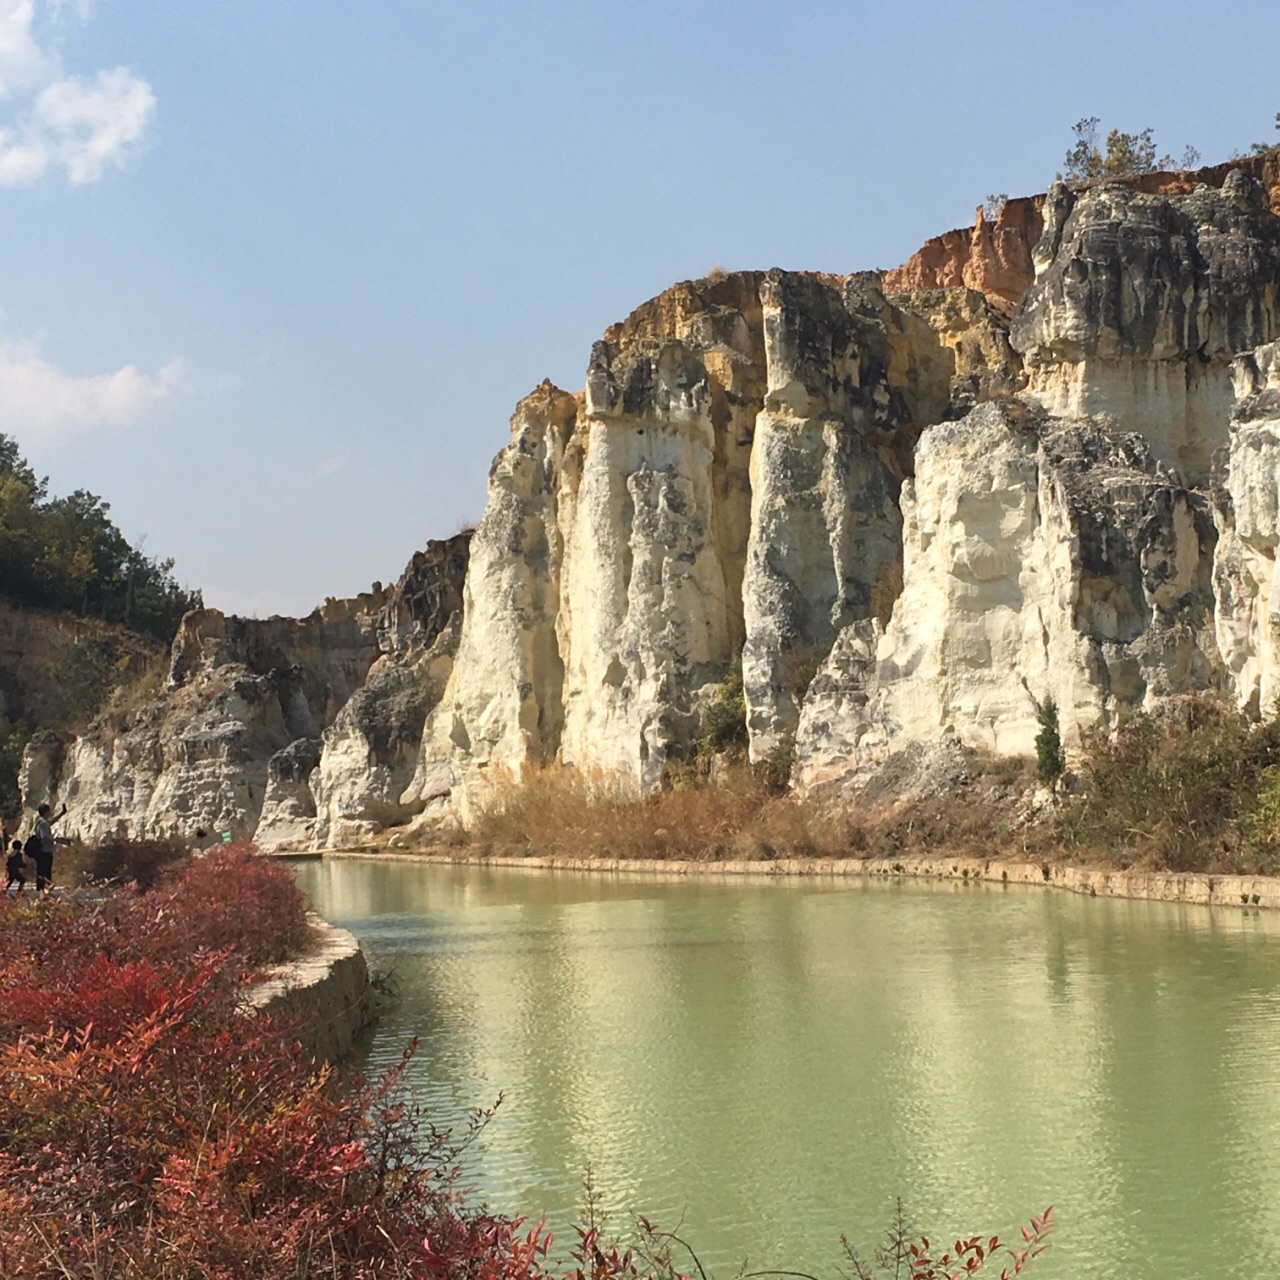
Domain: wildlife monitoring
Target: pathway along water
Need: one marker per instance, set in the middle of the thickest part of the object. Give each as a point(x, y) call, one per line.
point(773, 1062)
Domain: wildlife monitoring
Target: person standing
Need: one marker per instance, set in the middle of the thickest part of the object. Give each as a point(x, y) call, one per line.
point(43, 831)
point(13, 865)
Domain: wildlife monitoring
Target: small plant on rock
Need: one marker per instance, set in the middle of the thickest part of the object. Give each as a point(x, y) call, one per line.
point(1050, 762)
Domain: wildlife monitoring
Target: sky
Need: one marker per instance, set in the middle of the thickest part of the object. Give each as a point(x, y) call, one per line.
point(273, 275)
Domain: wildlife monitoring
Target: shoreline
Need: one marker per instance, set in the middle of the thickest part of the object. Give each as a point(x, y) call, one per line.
point(1196, 888)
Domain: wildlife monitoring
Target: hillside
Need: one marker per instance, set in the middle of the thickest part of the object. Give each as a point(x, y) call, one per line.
point(82, 612)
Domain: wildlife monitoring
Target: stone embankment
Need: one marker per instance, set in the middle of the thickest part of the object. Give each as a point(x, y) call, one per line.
point(327, 990)
point(1194, 888)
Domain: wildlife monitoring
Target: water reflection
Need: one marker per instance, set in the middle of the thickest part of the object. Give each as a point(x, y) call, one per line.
point(778, 1060)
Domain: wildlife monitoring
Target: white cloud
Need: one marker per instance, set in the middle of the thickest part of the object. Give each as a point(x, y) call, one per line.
point(92, 128)
point(79, 8)
point(38, 396)
point(24, 65)
point(84, 127)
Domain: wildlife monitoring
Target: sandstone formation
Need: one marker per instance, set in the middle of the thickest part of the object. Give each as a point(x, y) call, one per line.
point(1141, 305)
point(725, 490)
point(993, 256)
point(1042, 559)
point(996, 256)
point(1039, 461)
point(259, 719)
point(1248, 607)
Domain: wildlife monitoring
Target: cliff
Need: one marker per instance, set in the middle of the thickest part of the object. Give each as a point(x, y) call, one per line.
point(1039, 460)
point(261, 725)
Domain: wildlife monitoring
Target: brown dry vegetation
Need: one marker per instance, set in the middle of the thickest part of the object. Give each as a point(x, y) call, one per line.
point(562, 813)
point(128, 700)
point(1196, 790)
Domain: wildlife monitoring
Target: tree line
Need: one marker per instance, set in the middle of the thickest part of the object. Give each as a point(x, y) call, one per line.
point(66, 553)
point(1121, 153)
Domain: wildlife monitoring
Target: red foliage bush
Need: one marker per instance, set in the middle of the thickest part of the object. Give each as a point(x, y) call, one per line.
point(153, 1129)
point(232, 898)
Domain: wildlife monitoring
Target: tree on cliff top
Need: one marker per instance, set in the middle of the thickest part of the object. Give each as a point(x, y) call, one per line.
point(1125, 153)
point(66, 553)
point(1259, 147)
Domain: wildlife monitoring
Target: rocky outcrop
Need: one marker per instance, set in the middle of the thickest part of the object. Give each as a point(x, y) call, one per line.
point(997, 255)
point(825, 543)
point(1248, 606)
point(1042, 559)
point(916, 569)
point(993, 256)
point(1141, 305)
point(1038, 461)
point(259, 720)
point(726, 485)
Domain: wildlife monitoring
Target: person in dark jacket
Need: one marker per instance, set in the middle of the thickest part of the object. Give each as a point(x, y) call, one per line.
point(13, 865)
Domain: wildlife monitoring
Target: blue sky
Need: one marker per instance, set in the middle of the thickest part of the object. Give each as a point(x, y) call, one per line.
point(275, 273)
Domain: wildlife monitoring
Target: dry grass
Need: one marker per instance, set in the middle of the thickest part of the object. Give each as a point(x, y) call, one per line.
point(128, 700)
point(573, 814)
point(1195, 790)
point(565, 813)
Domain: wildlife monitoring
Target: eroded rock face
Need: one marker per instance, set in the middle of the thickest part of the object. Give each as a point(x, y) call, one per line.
point(1042, 558)
point(725, 487)
point(240, 738)
point(999, 257)
point(605, 583)
point(911, 518)
point(370, 751)
point(994, 256)
point(1142, 305)
point(825, 545)
point(1248, 607)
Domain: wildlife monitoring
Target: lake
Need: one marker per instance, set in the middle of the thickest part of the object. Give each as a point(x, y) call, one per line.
point(770, 1063)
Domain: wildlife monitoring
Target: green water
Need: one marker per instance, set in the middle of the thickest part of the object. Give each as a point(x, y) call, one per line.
point(773, 1062)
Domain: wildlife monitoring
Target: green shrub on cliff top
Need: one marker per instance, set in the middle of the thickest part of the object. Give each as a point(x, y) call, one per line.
point(1125, 153)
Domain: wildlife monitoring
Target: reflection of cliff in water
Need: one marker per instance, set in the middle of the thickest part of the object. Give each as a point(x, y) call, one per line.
point(777, 1060)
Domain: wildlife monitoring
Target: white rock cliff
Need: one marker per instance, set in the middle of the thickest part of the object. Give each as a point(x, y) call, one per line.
point(910, 515)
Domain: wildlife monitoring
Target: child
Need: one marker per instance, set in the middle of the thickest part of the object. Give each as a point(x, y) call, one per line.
point(13, 864)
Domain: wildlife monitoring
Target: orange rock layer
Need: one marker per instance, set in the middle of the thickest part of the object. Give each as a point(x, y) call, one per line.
point(995, 257)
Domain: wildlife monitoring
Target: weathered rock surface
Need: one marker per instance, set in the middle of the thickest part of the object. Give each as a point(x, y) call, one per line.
point(1248, 606)
point(993, 256)
point(260, 719)
point(725, 487)
point(997, 257)
point(1141, 305)
point(1039, 460)
point(1042, 558)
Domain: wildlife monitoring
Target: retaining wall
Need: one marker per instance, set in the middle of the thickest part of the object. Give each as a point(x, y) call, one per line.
point(328, 990)
point(1100, 882)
